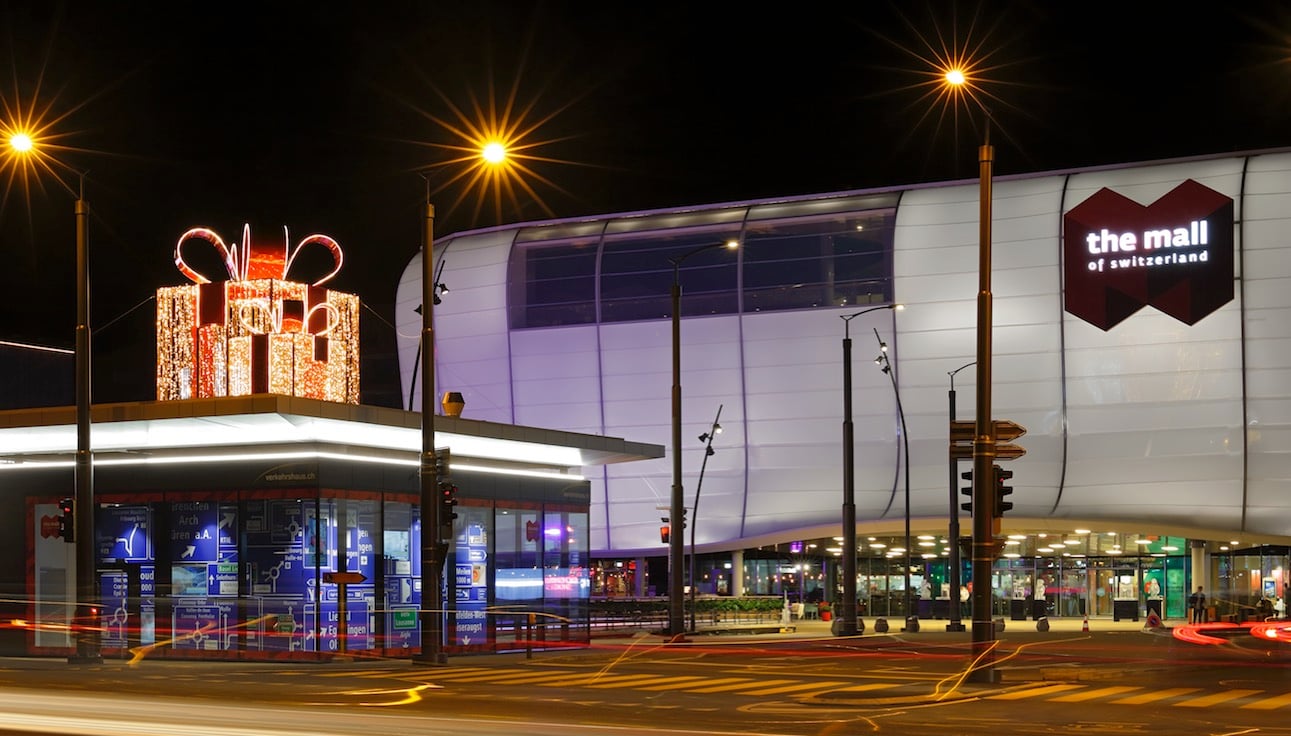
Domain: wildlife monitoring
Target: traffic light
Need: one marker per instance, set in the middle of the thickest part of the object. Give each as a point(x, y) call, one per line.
point(447, 500)
point(67, 520)
point(665, 531)
point(442, 473)
point(967, 491)
point(1002, 477)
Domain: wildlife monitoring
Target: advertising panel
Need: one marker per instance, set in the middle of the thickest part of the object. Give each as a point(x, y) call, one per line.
point(1175, 254)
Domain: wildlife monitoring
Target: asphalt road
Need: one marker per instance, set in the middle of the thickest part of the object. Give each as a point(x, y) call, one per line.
point(1113, 682)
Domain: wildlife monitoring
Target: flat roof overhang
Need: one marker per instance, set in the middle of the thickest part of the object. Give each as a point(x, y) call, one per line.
point(228, 428)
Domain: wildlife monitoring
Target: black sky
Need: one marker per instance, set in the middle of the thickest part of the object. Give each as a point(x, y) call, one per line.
point(308, 115)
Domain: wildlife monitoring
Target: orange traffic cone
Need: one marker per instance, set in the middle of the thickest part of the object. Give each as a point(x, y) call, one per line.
point(1085, 626)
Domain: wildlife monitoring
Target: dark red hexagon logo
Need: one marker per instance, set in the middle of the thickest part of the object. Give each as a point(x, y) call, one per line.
point(1175, 254)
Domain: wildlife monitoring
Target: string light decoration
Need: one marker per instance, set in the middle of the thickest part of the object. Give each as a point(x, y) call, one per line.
point(257, 331)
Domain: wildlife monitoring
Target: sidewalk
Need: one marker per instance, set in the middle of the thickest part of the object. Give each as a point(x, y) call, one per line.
point(814, 628)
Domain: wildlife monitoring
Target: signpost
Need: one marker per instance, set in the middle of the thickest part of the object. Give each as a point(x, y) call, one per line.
point(961, 439)
point(342, 579)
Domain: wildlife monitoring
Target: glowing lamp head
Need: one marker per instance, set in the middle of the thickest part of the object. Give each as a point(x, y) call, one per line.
point(494, 153)
point(955, 77)
point(21, 142)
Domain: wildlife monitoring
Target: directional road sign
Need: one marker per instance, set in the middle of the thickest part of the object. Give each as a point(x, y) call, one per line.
point(962, 434)
point(1005, 430)
point(1004, 451)
point(349, 577)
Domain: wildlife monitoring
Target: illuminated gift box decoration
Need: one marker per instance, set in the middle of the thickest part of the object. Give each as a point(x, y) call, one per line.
point(257, 332)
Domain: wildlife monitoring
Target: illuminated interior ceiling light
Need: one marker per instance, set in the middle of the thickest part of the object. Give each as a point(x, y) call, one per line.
point(926, 536)
point(1082, 531)
point(1011, 555)
point(1057, 544)
point(1012, 542)
point(1045, 550)
point(928, 555)
point(877, 545)
point(1113, 551)
point(928, 543)
point(1169, 548)
point(1142, 541)
point(1017, 536)
point(1073, 542)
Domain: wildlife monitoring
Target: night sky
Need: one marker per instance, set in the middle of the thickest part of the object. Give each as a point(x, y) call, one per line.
point(319, 116)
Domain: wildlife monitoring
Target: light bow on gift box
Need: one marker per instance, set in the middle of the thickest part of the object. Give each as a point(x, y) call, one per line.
point(256, 331)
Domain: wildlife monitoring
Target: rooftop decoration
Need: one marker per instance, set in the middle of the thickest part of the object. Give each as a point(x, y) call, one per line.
point(255, 331)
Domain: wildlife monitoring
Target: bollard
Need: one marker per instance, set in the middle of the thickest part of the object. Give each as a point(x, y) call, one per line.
point(1042, 623)
point(528, 636)
point(881, 625)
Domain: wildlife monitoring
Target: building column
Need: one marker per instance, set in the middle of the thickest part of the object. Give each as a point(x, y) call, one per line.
point(1200, 575)
point(737, 573)
point(639, 580)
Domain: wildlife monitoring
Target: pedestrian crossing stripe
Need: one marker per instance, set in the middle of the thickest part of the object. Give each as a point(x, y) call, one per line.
point(1216, 698)
point(1034, 692)
point(1278, 701)
point(1154, 695)
point(1093, 693)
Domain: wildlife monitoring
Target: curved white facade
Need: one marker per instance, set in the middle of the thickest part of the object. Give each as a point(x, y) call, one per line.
point(1154, 426)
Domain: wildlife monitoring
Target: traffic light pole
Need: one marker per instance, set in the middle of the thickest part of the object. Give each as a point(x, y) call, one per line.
point(433, 550)
point(983, 635)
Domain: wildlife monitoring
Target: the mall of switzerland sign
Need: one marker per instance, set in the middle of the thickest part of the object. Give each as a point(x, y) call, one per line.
point(1175, 254)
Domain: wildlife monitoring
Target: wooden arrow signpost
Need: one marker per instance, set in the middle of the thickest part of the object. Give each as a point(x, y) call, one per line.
point(342, 579)
point(962, 434)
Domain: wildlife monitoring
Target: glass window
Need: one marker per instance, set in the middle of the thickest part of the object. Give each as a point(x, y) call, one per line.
point(553, 283)
point(637, 274)
point(833, 260)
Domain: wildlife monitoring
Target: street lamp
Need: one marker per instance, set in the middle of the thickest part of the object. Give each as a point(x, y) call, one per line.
point(87, 639)
point(953, 531)
point(911, 617)
point(983, 636)
point(707, 439)
point(845, 622)
point(677, 508)
point(434, 549)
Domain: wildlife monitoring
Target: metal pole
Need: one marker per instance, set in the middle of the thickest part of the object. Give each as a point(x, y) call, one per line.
point(694, 509)
point(676, 513)
point(433, 549)
point(956, 623)
point(846, 608)
point(87, 634)
point(984, 442)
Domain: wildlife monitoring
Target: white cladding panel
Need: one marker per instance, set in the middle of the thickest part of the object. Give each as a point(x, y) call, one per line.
point(1140, 425)
point(1154, 406)
point(1266, 289)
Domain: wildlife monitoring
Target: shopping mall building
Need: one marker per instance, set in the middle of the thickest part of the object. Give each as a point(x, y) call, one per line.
point(1141, 335)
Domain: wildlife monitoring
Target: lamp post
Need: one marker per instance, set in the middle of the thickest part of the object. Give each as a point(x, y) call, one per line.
point(983, 636)
point(707, 439)
point(433, 549)
point(677, 508)
point(86, 634)
point(845, 619)
point(911, 617)
point(956, 624)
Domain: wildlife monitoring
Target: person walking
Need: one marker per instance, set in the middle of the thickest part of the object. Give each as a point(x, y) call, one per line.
point(1197, 603)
